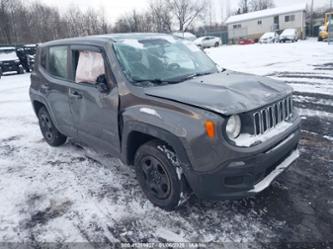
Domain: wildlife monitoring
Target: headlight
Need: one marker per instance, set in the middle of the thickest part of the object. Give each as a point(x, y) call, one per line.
point(233, 127)
point(17, 61)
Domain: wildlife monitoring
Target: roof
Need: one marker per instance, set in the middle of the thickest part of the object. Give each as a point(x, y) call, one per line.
point(103, 38)
point(7, 48)
point(184, 34)
point(266, 13)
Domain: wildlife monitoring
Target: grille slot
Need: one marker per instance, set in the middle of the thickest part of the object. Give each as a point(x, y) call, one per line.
point(267, 118)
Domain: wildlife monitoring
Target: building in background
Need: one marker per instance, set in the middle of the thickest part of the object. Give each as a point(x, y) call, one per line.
point(254, 24)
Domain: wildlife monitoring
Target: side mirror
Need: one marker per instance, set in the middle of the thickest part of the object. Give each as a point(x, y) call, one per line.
point(101, 84)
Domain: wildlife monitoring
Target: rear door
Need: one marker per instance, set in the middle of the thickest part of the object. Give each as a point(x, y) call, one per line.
point(55, 85)
point(95, 114)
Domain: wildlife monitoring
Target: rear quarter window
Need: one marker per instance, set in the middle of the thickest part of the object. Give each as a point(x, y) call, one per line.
point(43, 57)
point(57, 61)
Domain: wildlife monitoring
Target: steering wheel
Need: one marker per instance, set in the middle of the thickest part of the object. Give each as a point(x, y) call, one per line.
point(173, 66)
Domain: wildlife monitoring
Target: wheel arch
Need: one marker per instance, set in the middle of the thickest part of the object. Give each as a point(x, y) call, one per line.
point(137, 134)
point(37, 105)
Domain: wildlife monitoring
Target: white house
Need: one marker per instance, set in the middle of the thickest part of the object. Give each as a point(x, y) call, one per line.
point(252, 25)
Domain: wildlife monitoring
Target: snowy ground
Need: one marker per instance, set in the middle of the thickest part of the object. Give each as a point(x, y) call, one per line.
point(72, 194)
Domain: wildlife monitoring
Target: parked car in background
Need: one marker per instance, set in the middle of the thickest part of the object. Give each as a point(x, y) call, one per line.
point(269, 37)
point(26, 55)
point(9, 61)
point(208, 42)
point(246, 41)
point(289, 35)
point(162, 105)
point(185, 35)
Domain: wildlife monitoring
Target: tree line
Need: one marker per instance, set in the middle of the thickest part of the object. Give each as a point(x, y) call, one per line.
point(37, 22)
point(246, 6)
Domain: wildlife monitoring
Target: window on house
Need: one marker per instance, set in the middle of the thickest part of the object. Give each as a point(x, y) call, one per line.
point(237, 26)
point(259, 22)
point(290, 18)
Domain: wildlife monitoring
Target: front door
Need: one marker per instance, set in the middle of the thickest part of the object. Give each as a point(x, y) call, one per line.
point(95, 114)
point(276, 23)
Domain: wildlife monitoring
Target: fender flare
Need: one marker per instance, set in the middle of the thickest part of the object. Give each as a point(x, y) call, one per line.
point(37, 98)
point(158, 133)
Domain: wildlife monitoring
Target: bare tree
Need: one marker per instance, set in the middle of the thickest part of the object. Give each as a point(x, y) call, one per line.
point(161, 15)
point(243, 7)
point(134, 22)
point(187, 11)
point(256, 5)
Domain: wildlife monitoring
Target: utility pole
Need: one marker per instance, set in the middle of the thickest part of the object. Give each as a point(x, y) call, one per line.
point(227, 8)
point(311, 20)
point(330, 25)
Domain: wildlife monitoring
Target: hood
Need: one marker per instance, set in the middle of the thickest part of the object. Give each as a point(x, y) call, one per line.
point(226, 93)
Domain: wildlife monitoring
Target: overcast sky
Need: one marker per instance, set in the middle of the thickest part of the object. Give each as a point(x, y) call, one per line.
point(116, 8)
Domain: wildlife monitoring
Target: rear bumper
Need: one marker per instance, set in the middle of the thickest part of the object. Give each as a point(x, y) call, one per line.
point(246, 176)
point(9, 67)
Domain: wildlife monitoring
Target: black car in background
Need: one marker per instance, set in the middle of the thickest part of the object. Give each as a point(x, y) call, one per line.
point(9, 61)
point(26, 55)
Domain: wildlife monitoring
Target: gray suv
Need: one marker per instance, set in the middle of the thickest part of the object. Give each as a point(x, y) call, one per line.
point(160, 104)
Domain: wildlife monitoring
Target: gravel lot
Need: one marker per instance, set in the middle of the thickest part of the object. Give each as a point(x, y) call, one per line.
point(73, 194)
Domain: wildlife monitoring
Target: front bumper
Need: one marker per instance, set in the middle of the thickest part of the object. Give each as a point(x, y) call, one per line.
point(248, 176)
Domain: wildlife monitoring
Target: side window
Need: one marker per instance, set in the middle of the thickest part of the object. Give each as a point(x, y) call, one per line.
point(43, 57)
point(58, 61)
point(88, 66)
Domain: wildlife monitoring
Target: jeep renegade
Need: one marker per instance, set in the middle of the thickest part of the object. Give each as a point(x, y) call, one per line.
point(161, 104)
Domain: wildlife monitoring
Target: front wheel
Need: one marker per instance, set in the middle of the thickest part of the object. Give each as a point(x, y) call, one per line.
point(160, 175)
point(20, 70)
point(50, 133)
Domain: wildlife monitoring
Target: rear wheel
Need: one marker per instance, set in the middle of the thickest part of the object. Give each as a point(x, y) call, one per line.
point(217, 44)
point(50, 133)
point(160, 176)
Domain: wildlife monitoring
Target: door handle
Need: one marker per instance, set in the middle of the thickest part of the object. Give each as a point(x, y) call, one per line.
point(75, 94)
point(45, 88)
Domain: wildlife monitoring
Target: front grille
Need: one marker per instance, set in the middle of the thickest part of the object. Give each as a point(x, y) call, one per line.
point(268, 117)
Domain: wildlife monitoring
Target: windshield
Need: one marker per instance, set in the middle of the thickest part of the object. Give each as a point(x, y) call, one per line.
point(289, 32)
point(162, 60)
point(30, 50)
point(7, 55)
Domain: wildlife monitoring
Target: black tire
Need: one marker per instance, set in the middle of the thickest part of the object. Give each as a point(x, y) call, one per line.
point(320, 39)
point(20, 70)
point(50, 133)
point(217, 44)
point(158, 171)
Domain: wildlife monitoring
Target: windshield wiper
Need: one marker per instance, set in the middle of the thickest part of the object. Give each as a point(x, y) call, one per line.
point(154, 81)
point(191, 76)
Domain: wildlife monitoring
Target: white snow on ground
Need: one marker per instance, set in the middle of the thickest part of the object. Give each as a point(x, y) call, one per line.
point(265, 59)
point(72, 194)
point(270, 59)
